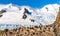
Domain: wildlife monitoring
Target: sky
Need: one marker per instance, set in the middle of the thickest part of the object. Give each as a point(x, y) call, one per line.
point(32, 3)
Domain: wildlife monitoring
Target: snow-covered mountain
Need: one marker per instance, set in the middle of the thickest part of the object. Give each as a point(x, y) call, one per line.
point(27, 16)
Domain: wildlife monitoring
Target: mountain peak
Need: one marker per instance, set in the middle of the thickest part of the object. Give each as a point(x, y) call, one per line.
point(28, 16)
point(10, 5)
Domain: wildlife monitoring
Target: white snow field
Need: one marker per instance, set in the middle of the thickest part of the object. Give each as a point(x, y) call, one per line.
point(13, 15)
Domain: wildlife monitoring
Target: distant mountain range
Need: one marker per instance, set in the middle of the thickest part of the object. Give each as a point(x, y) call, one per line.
point(27, 16)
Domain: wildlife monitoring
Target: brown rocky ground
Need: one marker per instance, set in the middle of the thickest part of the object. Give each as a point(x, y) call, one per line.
point(50, 30)
point(47, 30)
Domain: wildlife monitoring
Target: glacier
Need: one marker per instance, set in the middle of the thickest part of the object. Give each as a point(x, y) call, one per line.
point(41, 16)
